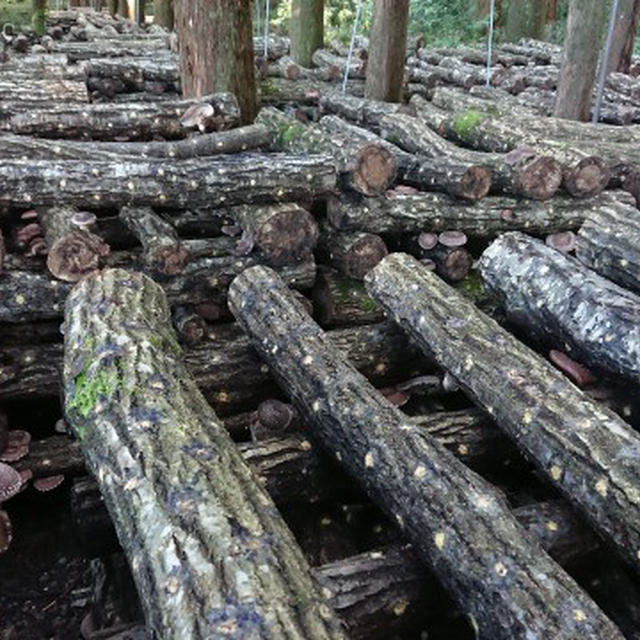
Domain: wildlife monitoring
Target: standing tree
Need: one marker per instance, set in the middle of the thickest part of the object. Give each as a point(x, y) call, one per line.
point(39, 16)
point(112, 7)
point(529, 19)
point(140, 11)
point(387, 50)
point(306, 28)
point(123, 8)
point(580, 59)
point(216, 50)
point(624, 36)
point(163, 13)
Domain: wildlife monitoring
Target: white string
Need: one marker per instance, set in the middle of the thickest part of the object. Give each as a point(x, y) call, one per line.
point(266, 30)
point(490, 45)
point(353, 39)
point(604, 63)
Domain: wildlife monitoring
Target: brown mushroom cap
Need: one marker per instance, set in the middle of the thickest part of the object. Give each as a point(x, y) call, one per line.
point(453, 239)
point(83, 219)
point(48, 484)
point(17, 446)
point(275, 415)
point(564, 241)
point(10, 482)
point(577, 372)
point(196, 114)
point(427, 240)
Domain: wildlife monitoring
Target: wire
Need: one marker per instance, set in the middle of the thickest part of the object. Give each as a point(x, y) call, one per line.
point(266, 30)
point(490, 44)
point(356, 23)
point(604, 63)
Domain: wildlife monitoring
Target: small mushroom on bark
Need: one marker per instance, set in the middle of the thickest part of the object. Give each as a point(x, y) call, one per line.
point(84, 220)
point(10, 482)
point(577, 372)
point(564, 241)
point(452, 239)
point(76, 255)
point(427, 240)
point(44, 485)
point(273, 418)
point(197, 116)
point(17, 446)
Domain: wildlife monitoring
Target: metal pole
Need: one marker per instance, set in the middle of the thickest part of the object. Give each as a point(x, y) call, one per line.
point(490, 45)
point(266, 31)
point(604, 63)
point(356, 23)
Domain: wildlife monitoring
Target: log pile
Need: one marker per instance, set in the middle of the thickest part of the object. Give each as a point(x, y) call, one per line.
point(203, 252)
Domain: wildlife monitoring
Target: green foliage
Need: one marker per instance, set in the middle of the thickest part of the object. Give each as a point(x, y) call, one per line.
point(467, 122)
point(446, 22)
point(17, 12)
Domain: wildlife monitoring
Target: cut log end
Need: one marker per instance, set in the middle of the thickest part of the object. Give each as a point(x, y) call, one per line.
point(288, 236)
point(474, 184)
point(365, 254)
point(540, 177)
point(588, 178)
point(75, 255)
point(457, 265)
point(169, 260)
point(375, 170)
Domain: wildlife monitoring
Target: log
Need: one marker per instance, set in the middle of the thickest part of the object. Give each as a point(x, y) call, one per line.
point(483, 219)
point(324, 58)
point(447, 511)
point(608, 243)
point(339, 301)
point(550, 420)
point(225, 367)
point(366, 168)
point(284, 233)
point(78, 51)
point(44, 90)
point(353, 254)
point(135, 70)
point(73, 250)
point(107, 121)
point(360, 110)
point(537, 177)
point(593, 319)
point(162, 251)
point(165, 544)
point(234, 179)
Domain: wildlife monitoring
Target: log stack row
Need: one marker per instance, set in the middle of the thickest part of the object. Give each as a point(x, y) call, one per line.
point(299, 211)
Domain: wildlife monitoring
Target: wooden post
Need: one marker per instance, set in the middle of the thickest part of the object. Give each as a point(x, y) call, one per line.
point(580, 59)
point(306, 28)
point(624, 36)
point(216, 50)
point(163, 13)
point(385, 71)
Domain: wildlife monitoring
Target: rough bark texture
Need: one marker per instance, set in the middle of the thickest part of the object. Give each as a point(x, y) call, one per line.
point(195, 569)
point(580, 59)
point(624, 36)
point(163, 13)
point(563, 302)
point(609, 243)
point(236, 179)
point(216, 50)
point(484, 219)
point(385, 68)
point(559, 428)
point(340, 301)
point(44, 90)
point(162, 251)
point(306, 27)
point(134, 121)
point(359, 110)
point(225, 367)
point(447, 511)
point(283, 232)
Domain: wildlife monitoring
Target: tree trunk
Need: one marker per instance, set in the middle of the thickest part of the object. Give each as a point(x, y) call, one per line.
point(163, 13)
point(580, 59)
point(216, 50)
point(483, 219)
point(565, 304)
point(527, 19)
point(140, 16)
point(306, 27)
point(112, 7)
point(123, 8)
point(245, 179)
point(609, 243)
point(624, 36)
point(446, 510)
point(555, 424)
point(197, 573)
point(385, 69)
point(38, 16)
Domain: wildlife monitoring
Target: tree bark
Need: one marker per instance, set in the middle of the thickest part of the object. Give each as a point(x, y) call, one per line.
point(527, 19)
point(483, 219)
point(44, 91)
point(216, 50)
point(306, 27)
point(624, 36)
point(243, 179)
point(385, 69)
point(609, 243)
point(163, 13)
point(446, 511)
point(38, 16)
point(580, 59)
point(593, 318)
point(173, 454)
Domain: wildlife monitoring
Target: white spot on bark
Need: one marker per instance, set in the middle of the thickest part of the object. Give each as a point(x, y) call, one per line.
point(439, 539)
